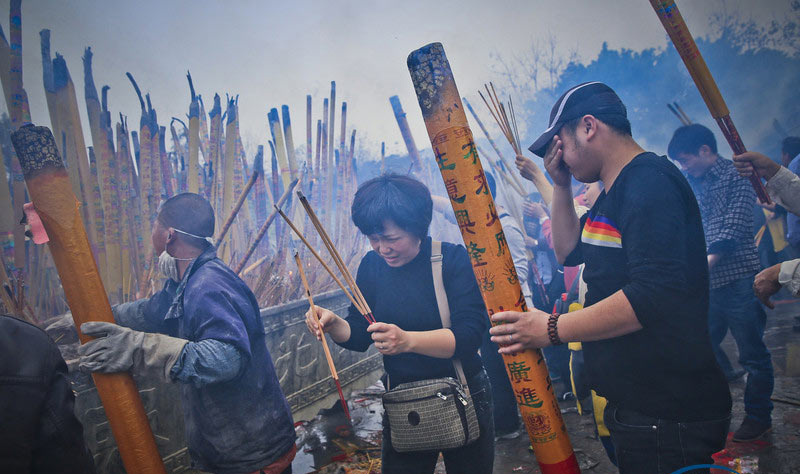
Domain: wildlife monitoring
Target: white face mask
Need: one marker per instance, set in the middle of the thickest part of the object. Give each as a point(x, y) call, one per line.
point(168, 266)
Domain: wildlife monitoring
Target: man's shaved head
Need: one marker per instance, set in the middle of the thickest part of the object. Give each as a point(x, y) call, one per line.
point(190, 213)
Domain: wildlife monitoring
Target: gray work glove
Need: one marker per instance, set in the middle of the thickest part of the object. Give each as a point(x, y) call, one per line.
point(120, 349)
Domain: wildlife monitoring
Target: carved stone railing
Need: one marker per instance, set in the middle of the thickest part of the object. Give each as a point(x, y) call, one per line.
point(299, 362)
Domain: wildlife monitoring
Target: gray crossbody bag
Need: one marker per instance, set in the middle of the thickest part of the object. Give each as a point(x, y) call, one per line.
point(434, 414)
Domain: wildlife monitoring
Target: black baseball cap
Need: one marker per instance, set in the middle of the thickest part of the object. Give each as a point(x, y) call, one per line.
point(589, 98)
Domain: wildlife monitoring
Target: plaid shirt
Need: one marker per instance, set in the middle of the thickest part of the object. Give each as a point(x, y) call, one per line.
point(726, 206)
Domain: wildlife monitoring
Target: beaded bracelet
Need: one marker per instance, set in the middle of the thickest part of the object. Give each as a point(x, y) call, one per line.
point(552, 329)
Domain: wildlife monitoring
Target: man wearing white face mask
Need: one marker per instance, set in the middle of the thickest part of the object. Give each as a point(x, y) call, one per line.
point(203, 330)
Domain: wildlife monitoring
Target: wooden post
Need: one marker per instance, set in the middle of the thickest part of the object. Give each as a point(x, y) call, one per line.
point(52, 196)
point(478, 221)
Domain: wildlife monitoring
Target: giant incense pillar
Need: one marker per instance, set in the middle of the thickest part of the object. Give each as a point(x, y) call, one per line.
point(463, 176)
point(52, 196)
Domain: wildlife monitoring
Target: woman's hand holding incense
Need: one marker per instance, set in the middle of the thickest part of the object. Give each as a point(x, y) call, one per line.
point(389, 338)
point(329, 322)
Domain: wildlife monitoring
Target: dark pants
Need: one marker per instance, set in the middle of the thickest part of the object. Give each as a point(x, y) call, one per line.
point(644, 444)
point(504, 402)
point(475, 458)
point(735, 307)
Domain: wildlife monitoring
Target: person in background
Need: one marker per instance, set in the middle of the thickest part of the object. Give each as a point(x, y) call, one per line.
point(645, 325)
point(41, 434)
point(790, 156)
point(203, 330)
point(726, 201)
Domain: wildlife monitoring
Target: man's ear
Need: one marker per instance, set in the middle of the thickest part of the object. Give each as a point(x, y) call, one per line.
point(588, 126)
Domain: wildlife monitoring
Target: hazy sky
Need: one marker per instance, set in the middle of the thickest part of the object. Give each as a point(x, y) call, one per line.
point(273, 53)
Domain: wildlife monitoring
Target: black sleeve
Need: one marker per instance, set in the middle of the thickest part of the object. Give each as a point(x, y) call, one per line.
point(575, 257)
point(469, 320)
point(360, 340)
point(60, 446)
point(654, 238)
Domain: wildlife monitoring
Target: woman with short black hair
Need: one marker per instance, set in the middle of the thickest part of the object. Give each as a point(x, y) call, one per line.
point(396, 279)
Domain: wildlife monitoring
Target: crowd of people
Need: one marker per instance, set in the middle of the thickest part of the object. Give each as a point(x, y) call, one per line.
point(633, 273)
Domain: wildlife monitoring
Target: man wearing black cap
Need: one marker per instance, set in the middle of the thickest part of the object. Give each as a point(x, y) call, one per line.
point(644, 329)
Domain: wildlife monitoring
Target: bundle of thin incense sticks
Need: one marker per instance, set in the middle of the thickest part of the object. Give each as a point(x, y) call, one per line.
point(354, 293)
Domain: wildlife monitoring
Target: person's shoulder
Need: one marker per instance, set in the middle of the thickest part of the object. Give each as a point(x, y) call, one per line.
point(214, 277)
point(25, 347)
point(652, 176)
point(452, 252)
point(10, 325)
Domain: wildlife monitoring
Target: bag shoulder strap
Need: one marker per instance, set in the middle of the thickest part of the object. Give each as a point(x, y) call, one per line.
point(441, 301)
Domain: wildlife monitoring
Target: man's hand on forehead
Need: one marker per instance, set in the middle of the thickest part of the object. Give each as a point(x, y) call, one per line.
point(554, 163)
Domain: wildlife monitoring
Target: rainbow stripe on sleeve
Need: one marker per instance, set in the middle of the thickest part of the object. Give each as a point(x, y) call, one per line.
point(601, 231)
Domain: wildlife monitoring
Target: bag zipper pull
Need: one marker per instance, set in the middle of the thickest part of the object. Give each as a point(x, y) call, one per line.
point(443, 397)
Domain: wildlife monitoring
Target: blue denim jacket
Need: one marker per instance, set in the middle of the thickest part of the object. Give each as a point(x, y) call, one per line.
point(238, 425)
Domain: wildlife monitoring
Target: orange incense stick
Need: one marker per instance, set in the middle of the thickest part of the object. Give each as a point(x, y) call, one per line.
point(458, 162)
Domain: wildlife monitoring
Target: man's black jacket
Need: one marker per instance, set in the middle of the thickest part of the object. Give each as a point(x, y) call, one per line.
point(39, 432)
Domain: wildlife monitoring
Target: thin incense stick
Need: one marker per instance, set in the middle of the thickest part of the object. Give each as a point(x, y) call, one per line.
point(324, 341)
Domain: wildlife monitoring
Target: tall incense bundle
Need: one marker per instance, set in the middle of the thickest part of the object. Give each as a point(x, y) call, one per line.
point(56, 205)
point(343, 134)
point(261, 193)
point(323, 174)
point(205, 144)
point(485, 241)
point(230, 164)
point(70, 124)
point(194, 139)
point(679, 33)
point(239, 202)
point(308, 131)
point(289, 140)
point(264, 227)
point(157, 178)
point(280, 146)
point(215, 154)
point(106, 172)
point(128, 214)
point(331, 128)
point(405, 131)
point(99, 217)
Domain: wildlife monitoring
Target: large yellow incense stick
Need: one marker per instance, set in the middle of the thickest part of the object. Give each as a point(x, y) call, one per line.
point(477, 217)
point(52, 196)
point(194, 140)
point(679, 33)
